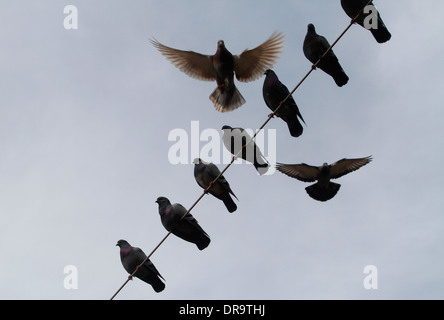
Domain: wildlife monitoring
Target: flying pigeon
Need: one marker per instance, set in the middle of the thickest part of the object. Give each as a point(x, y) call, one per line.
point(220, 67)
point(235, 138)
point(274, 93)
point(188, 229)
point(314, 47)
point(323, 189)
point(352, 9)
point(132, 257)
point(205, 173)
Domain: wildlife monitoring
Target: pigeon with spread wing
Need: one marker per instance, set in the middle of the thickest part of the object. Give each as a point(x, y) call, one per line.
point(323, 189)
point(221, 67)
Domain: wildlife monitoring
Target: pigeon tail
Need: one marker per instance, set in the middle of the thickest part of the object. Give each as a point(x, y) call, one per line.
point(321, 193)
point(330, 65)
point(340, 78)
point(229, 203)
point(381, 33)
point(158, 285)
point(261, 168)
point(226, 100)
point(202, 241)
point(295, 127)
point(198, 237)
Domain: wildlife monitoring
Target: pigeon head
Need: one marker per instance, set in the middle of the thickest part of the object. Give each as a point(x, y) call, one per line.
point(311, 28)
point(163, 203)
point(123, 244)
point(270, 77)
point(199, 164)
point(221, 44)
point(161, 200)
point(325, 169)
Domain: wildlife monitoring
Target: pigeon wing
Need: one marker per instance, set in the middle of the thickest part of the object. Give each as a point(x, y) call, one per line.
point(251, 64)
point(193, 64)
point(148, 266)
point(344, 166)
point(189, 226)
point(302, 172)
point(213, 171)
point(138, 255)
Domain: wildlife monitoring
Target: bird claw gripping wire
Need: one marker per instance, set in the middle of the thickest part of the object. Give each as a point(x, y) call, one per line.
point(130, 277)
point(353, 21)
point(209, 187)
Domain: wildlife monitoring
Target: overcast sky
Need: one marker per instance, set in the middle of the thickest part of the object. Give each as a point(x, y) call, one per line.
point(85, 117)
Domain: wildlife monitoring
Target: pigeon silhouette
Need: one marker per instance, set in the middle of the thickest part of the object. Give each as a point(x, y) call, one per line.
point(274, 93)
point(323, 189)
point(352, 9)
point(235, 139)
point(314, 47)
point(220, 67)
point(187, 228)
point(205, 173)
point(132, 257)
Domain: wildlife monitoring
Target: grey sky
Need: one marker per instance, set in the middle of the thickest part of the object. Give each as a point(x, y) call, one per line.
point(84, 121)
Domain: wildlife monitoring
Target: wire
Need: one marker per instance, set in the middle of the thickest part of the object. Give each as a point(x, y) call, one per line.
point(313, 67)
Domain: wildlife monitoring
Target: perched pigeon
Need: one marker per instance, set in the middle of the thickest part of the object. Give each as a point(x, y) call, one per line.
point(323, 189)
point(248, 66)
point(132, 257)
point(235, 138)
point(314, 47)
point(274, 93)
point(352, 8)
point(205, 173)
point(188, 229)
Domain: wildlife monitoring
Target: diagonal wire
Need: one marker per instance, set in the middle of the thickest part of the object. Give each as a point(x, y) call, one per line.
point(313, 67)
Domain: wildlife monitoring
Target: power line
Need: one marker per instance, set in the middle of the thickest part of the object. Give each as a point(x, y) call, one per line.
point(313, 67)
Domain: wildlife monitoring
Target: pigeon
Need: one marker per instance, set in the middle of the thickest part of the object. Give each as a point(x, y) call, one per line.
point(187, 228)
point(323, 189)
point(132, 257)
point(274, 93)
point(220, 67)
point(235, 139)
point(205, 173)
point(314, 47)
point(352, 9)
